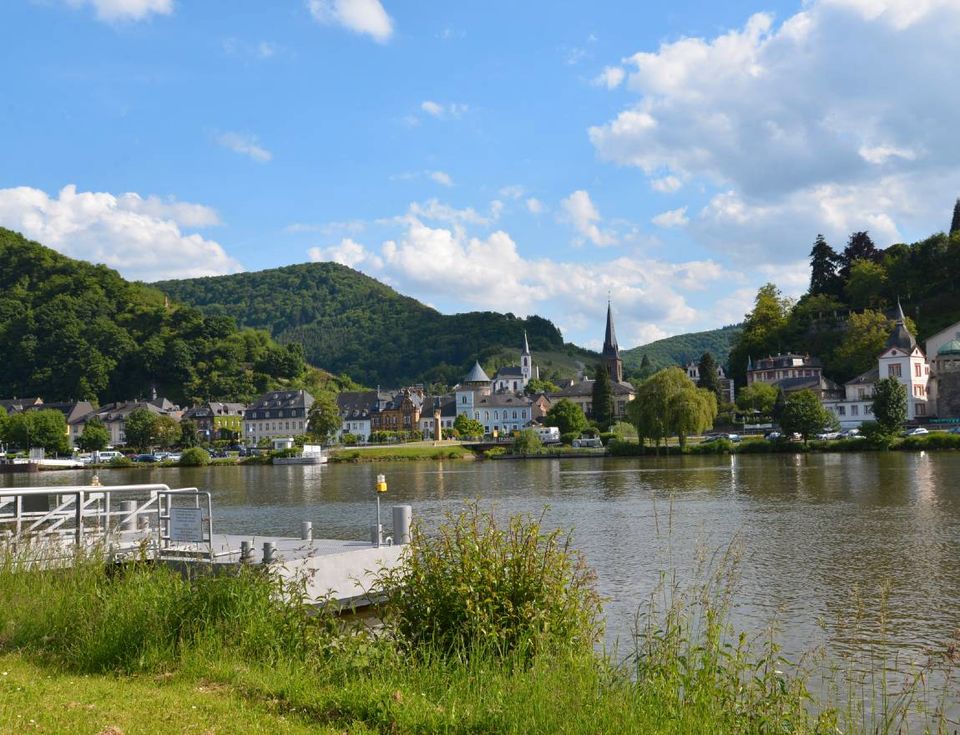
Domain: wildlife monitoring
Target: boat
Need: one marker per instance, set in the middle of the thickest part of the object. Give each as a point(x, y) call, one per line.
point(311, 454)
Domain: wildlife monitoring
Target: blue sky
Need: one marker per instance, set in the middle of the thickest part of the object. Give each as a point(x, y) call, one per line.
point(524, 157)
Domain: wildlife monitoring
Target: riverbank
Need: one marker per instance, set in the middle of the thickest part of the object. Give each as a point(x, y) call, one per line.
point(141, 650)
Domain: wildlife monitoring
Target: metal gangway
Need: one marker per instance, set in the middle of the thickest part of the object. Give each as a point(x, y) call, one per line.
point(53, 524)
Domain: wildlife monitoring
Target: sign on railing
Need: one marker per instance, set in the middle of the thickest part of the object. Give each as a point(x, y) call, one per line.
point(186, 525)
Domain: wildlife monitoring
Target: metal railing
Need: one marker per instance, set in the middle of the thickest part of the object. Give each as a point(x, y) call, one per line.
point(121, 518)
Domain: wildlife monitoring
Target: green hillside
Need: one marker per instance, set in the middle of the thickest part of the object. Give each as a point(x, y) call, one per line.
point(683, 348)
point(351, 323)
point(72, 330)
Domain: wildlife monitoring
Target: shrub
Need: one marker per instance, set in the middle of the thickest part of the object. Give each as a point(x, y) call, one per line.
point(476, 585)
point(495, 452)
point(569, 437)
point(721, 446)
point(934, 440)
point(607, 436)
point(121, 461)
point(194, 457)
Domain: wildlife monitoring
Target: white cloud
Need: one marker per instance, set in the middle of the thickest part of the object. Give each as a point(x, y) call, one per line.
point(185, 214)
point(667, 185)
point(433, 209)
point(671, 218)
point(246, 145)
point(441, 177)
point(534, 205)
point(513, 191)
point(787, 121)
point(265, 49)
point(114, 11)
point(348, 252)
point(354, 227)
point(450, 110)
point(361, 16)
point(581, 212)
point(139, 236)
point(610, 77)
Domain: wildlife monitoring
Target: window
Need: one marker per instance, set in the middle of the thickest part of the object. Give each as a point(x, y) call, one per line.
point(861, 393)
point(893, 371)
point(841, 410)
point(854, 410)
point(868, 410)
point(463, 399)
point(514, 414)
point(921, 409)
point(496, 415)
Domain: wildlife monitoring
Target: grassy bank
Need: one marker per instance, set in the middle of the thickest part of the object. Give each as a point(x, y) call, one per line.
point(401, 453)
point(487, 629)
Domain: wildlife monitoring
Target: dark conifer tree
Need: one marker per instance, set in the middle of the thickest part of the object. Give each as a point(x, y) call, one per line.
point(646, 370)
point(708, 374)
point(602, 398)
point(824, 265)
point(859, 247)
point(779, 404)
point(955, 223)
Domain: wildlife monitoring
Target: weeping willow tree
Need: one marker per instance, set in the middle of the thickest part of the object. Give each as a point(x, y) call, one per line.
point(670, 404)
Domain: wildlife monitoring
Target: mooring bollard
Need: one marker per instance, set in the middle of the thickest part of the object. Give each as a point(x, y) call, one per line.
point(246, 552)
point(402, 515)
point(127, 508)
point(306, 530)
point(269, 551)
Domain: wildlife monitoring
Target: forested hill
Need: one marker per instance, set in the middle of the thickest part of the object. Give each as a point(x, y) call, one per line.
point(351, 323)
point(72, 330)
point(683, 348)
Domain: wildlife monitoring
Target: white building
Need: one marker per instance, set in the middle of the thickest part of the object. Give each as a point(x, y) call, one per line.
point(902, 359)
point(727, 388)
point(278, 413)
point(514, 379)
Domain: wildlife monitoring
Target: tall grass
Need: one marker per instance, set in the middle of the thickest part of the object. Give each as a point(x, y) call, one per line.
point(489, 628)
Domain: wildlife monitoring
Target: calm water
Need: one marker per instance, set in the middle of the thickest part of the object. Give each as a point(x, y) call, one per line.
point(818, 538)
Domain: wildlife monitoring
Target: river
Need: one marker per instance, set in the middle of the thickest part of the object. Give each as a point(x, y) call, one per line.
point(845, 553)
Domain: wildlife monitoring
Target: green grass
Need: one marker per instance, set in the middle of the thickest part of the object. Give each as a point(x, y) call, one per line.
point(401, 452)
point(502, 647)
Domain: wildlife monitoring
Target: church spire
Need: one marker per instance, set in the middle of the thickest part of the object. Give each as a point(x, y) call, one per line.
point(526, 344)
point(611, 351)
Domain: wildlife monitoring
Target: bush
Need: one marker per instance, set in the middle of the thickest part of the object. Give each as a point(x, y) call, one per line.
point(607, 436)
point(120, 461)
point(721, 446)
point(569, 437)
point(495, 452)
point(477, 586)
point(934, 440)
point(194, 457)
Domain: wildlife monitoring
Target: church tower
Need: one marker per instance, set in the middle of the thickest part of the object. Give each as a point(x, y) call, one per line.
point(526, 363)
point(611, 352)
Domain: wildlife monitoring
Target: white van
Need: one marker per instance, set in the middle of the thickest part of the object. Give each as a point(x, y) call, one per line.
point(548, 434)
point(588, 442)
point(105, 456)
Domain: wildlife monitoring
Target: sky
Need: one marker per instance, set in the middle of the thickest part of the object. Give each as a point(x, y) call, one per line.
point(532, 158)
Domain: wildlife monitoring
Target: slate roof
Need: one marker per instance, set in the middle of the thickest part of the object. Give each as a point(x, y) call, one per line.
point(476, 375)
point(868, 378)
point(282, 399)
point(17, 405)
point(357, 404)
point(504, 400)
point(585, 388)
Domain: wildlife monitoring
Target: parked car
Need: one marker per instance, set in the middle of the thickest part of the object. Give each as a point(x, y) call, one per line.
point(145, 458)
point(588, 442)
point(733, 437)
point(828, 435)
point(955, 430)
point(917, 431)
point(107, 455)
point(773, 436)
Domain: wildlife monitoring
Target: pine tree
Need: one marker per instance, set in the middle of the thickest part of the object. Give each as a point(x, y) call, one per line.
point(602, 398)
point(779, 405)
point(824, 264)
point(955, 224)
point(646, 369)
point(708, 374)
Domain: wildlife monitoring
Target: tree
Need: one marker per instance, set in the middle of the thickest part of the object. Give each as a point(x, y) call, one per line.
point(955, 222)
point(779, 405)
point(759, 396)
point(646, 369)
point(762, 329)
point(94, 437)
point(866, 285)
point(566, 416)
point(890, 405)
point(863, 342)
point(803, 414)
point(825, 263)
point(324, 418)
point(537, 385)
point(527, 442)
point(188, 433)
point(602, 397)
point(140, 428)
point(709, 380)
point(669, 404)
point(859, 247)
point(166, 431)
point(467, 427)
